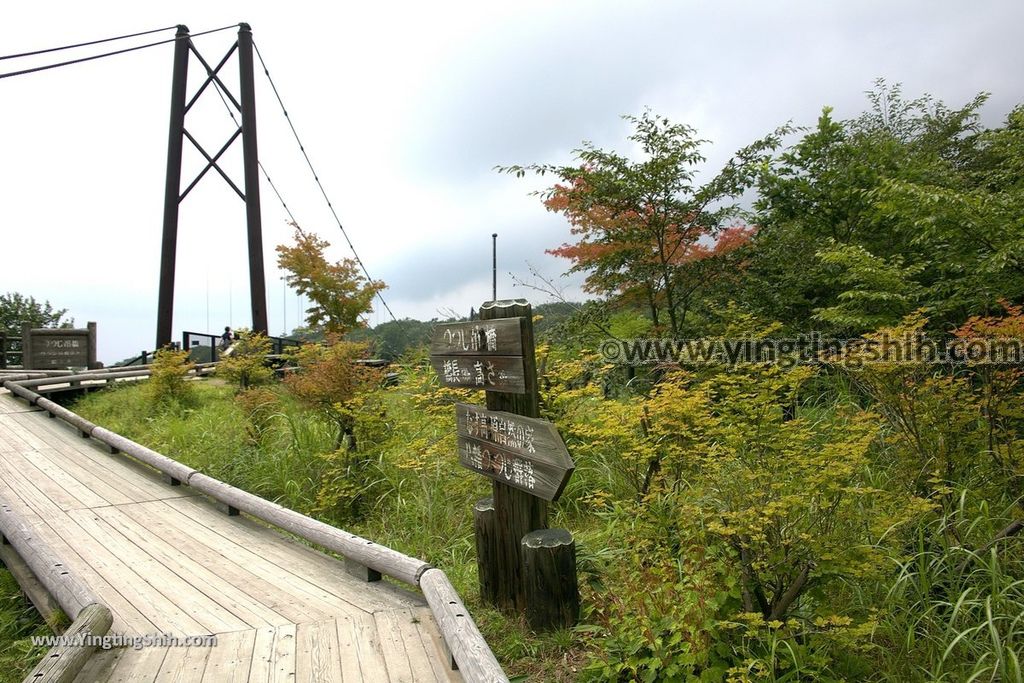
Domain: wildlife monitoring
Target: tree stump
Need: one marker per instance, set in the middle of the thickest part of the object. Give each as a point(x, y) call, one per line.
point(549, 577)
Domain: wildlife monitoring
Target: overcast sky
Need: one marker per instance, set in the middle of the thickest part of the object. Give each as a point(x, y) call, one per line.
point(405, 109)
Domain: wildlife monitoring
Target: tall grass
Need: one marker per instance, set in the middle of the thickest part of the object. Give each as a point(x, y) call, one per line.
point(19, 621)
point(954, 614)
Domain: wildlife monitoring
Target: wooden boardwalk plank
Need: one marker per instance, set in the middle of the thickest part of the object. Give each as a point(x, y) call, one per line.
point(137, 480)
point(316, 652)
point(127, 617)
point(269, 557)
point(210, 616)
point(109, 490)
point(361, 630)
point(150, 601)
point(166, 561)
point(229, 661)
point(100, 665)
point(139, 666)
point(393, 647)
point(284, 655)
point(52, 489)
point(278, 590)
point(178, 559)
point(326, 572)
point(273, 656)
point(183, 665)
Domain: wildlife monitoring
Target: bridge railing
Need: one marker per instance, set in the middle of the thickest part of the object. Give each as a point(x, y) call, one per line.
point(90, 617)
point(204, 347)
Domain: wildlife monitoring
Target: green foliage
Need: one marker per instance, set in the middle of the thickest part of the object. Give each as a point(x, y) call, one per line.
point(392, 339)
point(16, 309)
point(911, 194)
point(246, 364)
point(859, 519)
point(328, 378)
point(954, 612)
point(168, 382)
point(260, 406)
point(879, 292)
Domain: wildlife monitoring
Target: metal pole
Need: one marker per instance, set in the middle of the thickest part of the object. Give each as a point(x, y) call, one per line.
point(172, 186)
point(494, 266)
point(250, 161)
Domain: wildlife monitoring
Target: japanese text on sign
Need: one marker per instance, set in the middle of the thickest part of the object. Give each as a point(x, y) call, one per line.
point(511, 469)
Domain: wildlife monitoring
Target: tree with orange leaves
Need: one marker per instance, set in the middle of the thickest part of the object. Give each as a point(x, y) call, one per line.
point(338, 293)
point(649, 233)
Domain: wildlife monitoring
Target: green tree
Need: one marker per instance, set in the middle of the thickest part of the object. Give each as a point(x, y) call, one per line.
point(649, 232)
point(391, 339)
point(16, 309)
point(911, 203)
point(338, 294)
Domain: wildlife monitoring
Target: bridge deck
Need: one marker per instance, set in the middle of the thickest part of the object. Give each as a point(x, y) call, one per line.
point(166, 561)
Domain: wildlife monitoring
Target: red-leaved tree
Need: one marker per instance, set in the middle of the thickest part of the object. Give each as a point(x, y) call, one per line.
point(648, 232)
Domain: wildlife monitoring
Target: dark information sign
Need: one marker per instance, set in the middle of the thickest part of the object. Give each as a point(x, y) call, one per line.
point(497, 337)
point(493, 373)
point(522, 452)
point(59, 349)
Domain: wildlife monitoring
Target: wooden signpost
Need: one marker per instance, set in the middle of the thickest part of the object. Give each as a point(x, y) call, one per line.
point(523, 456)
point(493, 373)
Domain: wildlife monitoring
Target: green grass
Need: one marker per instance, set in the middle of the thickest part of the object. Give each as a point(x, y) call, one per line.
point(19, 621)
point(953, 614)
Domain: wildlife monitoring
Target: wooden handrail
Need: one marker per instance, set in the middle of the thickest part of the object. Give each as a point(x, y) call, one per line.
point(89, 616)
point(462, 638)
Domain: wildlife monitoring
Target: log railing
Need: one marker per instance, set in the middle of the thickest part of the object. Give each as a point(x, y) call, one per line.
point(91, 619)
point(466, 646)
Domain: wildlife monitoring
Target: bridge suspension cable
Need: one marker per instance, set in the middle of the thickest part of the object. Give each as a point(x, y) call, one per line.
point(316, 177)
point(90, 58)
point(231, 113)
point(86, 44)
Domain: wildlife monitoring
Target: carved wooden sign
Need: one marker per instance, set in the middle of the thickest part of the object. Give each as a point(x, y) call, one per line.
point(59, 349)
point(493, 373)
point(498, 337)
point(522, 452)
point(480, 354)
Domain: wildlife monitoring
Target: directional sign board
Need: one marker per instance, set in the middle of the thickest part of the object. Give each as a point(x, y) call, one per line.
point(480, 354)
point(521, 452)
point(497, 337)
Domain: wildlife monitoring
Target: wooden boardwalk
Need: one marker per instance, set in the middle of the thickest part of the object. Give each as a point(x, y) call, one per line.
point(166, 561)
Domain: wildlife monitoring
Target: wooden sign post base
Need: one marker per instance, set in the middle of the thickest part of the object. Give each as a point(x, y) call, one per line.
point(549, 575)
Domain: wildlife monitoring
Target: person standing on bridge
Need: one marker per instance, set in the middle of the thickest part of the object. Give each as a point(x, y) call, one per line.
point(225, 339)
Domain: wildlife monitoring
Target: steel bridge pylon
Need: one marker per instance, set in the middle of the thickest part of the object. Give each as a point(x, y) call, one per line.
point(173, 195)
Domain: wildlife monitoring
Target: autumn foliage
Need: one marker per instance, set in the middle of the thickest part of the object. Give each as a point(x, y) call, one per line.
point(338, 293)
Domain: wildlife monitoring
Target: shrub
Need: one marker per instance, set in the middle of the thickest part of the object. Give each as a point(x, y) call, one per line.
point(168, 379)
point(247, 364)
